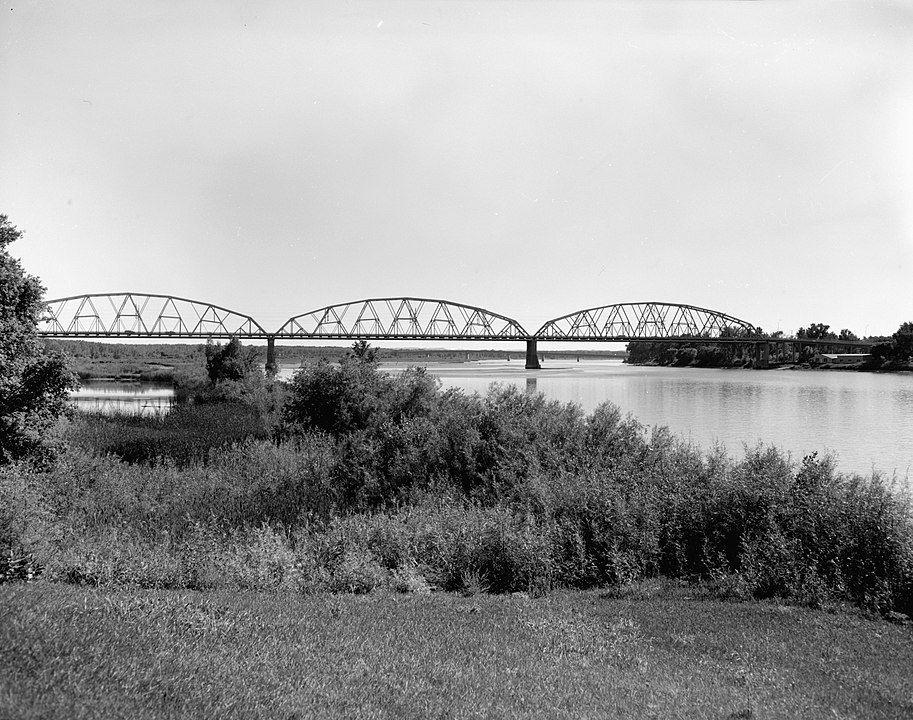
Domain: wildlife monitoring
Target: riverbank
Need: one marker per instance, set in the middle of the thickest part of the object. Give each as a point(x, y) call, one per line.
point(807, 350)
point(350, 479)
point(654, 652)
point(167, 362)
point(901, 370)
point(360, 543)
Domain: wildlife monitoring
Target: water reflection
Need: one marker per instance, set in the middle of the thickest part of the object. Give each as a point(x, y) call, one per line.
point(132, 398)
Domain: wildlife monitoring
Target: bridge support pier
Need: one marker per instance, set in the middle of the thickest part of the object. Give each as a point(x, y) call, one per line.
point(532, 356)
point(271, 366)
point(761, 355)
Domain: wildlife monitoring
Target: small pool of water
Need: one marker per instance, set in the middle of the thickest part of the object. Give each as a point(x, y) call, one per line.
point(132, 398)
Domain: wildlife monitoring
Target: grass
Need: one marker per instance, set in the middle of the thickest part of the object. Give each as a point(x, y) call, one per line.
point(184, 435)
point(70, 651)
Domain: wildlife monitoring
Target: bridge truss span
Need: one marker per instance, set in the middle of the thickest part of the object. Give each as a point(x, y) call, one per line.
point(402, 318)
point(647, 320)
point(140, 315)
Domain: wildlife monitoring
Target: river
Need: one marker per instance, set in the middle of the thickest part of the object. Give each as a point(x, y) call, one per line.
point(866, 419)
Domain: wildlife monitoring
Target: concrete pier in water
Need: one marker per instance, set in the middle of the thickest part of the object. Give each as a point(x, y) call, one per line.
point(532, 356)
point(271, 366)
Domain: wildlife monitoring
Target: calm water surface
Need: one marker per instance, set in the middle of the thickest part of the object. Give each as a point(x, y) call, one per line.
point(136, 398)
point(865, 419)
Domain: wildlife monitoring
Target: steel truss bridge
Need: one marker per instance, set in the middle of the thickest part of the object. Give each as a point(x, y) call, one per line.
point(140, 315)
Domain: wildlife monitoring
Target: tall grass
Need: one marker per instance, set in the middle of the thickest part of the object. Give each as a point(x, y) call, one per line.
point(185, 435)
point(398, 484)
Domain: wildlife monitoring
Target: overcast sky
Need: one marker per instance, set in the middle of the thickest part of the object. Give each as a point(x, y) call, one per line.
point(755, 158)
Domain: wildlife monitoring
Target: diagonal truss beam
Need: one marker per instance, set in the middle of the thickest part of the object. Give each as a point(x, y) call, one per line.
point(143, 315)
point(624, 322)
point(402, 318)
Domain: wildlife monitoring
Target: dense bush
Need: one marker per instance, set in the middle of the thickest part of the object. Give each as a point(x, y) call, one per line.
point(34, 381)
point(404, 486)
point(230, 362)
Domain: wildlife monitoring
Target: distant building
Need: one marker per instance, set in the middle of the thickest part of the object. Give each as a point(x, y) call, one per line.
point(845, 358)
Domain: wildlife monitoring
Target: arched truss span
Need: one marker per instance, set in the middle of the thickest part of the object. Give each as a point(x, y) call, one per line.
point(119, 315)
point(402, 318)
point(647, 320)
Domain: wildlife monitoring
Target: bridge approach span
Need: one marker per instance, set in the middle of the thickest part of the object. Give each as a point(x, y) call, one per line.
point(402, 318)
point(624, 322)
point(142, 315)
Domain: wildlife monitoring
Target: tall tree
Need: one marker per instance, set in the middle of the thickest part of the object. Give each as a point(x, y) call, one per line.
point(816, 331)
point(903, 342)
point(229, 362)
point(34, 382)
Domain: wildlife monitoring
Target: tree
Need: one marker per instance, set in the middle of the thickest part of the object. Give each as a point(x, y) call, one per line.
point(229, 362)
point(34, 381)
point(903, 342)
point(363, 352)
point(355, 395)
point(816, 331)
point(847, 334)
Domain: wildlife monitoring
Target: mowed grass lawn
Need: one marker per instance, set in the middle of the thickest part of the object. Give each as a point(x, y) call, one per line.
point(76, 652)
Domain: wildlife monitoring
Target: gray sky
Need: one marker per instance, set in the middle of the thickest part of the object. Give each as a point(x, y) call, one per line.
point(532, 158)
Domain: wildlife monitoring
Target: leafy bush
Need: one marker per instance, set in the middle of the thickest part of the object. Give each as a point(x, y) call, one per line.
point(406, 487)
point(34, 381)
point(231, 362)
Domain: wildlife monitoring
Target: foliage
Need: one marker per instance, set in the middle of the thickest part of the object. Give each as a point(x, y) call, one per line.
point(903, 343)
point(405, 485)
point(353, 395)
point(232, 362)
point(363, 352)
point(685, 355)
point(185, 435)
point(34, 382)
point(816, 331)
point(896, 353)
point(28, 525)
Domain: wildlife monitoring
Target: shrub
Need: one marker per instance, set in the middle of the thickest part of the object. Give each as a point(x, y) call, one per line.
point(233, 362)
point(409, 487)
point(34, 381)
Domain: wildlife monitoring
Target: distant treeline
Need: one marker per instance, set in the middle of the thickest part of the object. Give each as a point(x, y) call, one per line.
point(163, 361)
point(888, 353)
point(674, 355)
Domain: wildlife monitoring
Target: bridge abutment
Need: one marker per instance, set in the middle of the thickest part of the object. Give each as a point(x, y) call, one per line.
point(532, 356)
